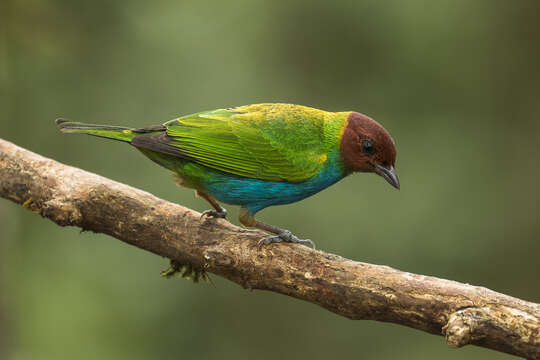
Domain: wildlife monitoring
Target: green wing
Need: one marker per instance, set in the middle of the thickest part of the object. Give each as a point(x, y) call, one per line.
point(277, 142)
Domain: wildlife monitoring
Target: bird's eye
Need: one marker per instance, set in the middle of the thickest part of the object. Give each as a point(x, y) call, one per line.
point(368, 148)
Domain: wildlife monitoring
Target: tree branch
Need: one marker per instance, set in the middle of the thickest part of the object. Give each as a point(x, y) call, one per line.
point(464, 314)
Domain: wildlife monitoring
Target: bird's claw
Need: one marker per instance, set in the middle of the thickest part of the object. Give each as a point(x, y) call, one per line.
point(285, 236)
point(215, 214)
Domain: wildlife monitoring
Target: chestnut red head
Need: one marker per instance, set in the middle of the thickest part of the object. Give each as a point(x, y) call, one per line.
point(367, 147)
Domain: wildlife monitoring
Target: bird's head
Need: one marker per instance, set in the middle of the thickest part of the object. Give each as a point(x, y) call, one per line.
point(367, 147)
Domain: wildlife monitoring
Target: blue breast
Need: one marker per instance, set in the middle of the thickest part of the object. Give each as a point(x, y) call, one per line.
point(256, 195)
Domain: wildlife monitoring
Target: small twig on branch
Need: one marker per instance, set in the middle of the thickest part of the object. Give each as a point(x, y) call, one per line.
point(464, 314)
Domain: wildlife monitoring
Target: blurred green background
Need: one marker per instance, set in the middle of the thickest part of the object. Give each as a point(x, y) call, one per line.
point(456, 82)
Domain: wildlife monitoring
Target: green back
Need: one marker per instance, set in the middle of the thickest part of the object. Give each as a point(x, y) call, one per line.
point(277, 142)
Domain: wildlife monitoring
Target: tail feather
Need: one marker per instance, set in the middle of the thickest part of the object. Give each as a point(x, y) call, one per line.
point(111, 132)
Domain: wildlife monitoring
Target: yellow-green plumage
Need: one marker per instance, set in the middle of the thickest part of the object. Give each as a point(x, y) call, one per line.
point(274, 142)
point(260, 155)
point(254, 155)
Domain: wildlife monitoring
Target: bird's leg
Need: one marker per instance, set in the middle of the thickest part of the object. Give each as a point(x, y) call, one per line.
point(282, 235)
point(219, 211)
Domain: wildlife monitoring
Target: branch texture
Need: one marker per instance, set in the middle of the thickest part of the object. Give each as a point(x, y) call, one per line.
point(464, 314)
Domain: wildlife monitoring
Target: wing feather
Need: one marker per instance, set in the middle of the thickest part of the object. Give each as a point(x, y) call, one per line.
point(276, 142)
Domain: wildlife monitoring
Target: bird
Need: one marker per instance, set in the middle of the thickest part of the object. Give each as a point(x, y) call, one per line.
point(260, 155)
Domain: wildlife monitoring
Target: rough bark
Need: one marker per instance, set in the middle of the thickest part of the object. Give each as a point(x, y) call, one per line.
point(463, 313)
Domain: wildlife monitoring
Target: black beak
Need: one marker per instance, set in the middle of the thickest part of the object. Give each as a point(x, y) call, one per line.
point(388, 173)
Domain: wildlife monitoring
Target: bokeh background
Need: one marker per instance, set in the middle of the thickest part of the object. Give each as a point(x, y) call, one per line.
point(455, 81)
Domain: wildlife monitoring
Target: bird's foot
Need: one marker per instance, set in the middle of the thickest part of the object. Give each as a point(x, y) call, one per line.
point(286, 236)
point(186, 271)
point(222, 214)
